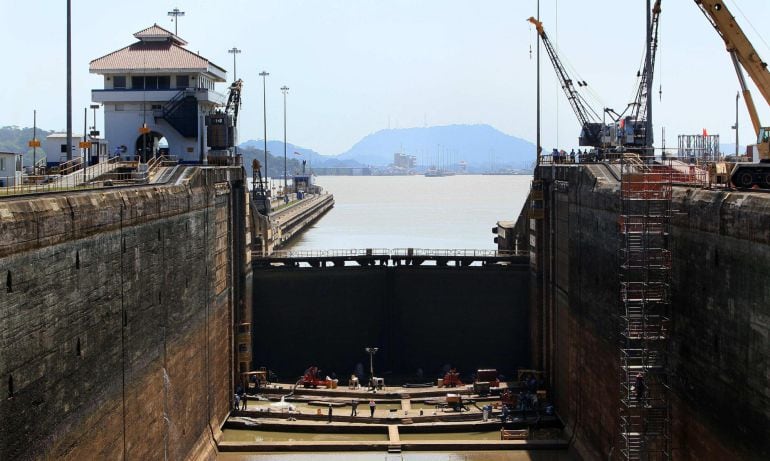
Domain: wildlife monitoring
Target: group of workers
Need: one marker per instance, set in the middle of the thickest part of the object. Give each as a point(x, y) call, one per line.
point(240, 399)
point(527, 400)
point(561, 156)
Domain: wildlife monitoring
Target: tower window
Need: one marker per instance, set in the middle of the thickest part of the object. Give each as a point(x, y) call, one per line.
point(119, 81)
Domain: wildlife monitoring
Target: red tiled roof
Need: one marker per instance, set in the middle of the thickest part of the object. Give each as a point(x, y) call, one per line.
point(157, 32)
point(150, 56)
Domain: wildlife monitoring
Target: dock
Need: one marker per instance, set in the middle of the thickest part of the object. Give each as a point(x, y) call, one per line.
point(274, 230)
point(398, 411)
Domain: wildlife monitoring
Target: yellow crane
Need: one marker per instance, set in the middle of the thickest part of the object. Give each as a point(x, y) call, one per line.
point(744, 56)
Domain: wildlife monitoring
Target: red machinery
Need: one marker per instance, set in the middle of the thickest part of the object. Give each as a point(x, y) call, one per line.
point(452, 379)
point(508, 398)
point(312, 378)
point(485, 380)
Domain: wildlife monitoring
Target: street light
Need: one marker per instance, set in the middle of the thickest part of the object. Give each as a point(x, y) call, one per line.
point(176, 14)
point(93, 131)
point(234, 51)
point(735, 127)
point(284, 90)
point(371, 351)
point(264, 75)
point(69, 80)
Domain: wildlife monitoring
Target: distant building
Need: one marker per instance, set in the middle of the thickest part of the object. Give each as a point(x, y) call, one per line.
point(10, 169)
point(404, 161)
point(55, 148)
point(159, 85)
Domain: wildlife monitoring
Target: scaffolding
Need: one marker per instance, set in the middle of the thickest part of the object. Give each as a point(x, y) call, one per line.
point(645, 271)
point(699, 148)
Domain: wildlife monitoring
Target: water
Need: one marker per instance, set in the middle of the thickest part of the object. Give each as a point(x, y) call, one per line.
point(508, 455)
point(305, 408)
point(414, 211)
point(242, 435)
point(406, 212)
point(485, 435)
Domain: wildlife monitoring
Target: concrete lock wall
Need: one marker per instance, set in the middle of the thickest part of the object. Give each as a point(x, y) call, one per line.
point(115, 323)
point(720, 316)
point(419, 317)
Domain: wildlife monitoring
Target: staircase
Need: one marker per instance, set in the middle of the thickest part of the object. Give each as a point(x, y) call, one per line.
point(93, 172)
point(181, 112)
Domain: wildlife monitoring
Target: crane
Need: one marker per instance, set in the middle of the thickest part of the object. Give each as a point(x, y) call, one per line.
point(234, 100)
point(744, 55)
point(632, 131)
point(637, 128)
point(222, 129)
point(593, 133)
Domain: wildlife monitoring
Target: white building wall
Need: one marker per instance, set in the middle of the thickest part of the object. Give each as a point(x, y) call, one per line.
point(52, 146)
point(122, 129)
point(122, 120)
point(9, 174)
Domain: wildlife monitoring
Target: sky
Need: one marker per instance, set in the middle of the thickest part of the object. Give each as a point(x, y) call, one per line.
point(358, 66)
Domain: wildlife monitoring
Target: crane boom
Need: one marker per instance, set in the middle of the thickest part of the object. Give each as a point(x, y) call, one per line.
point(744, 55)
point(640, 118)
point(737, 42)
point(746, 94)
point(234, 100)
point(586, 115)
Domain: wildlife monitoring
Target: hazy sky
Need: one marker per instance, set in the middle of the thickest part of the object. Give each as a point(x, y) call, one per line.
point(354, 66)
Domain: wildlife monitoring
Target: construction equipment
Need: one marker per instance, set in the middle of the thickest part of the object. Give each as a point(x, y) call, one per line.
point(312, 378)
point(514, 434)
point(632, 132)
point(455, 402)
point(489, 375)
point(744, 55)
point(636, 129)
point(222, 129)
point(508, 398)
point(452, 379)
point(593, 132)
point(255, 380)
point(485, 380)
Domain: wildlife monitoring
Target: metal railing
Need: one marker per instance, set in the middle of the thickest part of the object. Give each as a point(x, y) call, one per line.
point(393, 253)
point(78, 177)
point(161, 160)
point(334, 253)
point(97, 176)
point(449, 253)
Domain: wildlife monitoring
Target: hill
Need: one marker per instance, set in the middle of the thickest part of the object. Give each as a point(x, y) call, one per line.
point(479, 145)
point(275, 148)
point(15, 139)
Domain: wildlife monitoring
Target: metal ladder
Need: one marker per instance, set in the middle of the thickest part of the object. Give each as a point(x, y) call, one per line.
point(645, 271)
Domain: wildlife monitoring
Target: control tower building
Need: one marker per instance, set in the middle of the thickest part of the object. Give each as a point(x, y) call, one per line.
point(156, 95)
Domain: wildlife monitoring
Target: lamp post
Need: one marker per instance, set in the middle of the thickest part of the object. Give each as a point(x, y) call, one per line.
point(93, 134)
point(175, 13)
point(264, 75)
point(69, 80)
point(234, 51)
point(284, 90)
point(84, 162)
point(94, 107)
point(735, 127)
point(371, 351)
point(34, 142)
